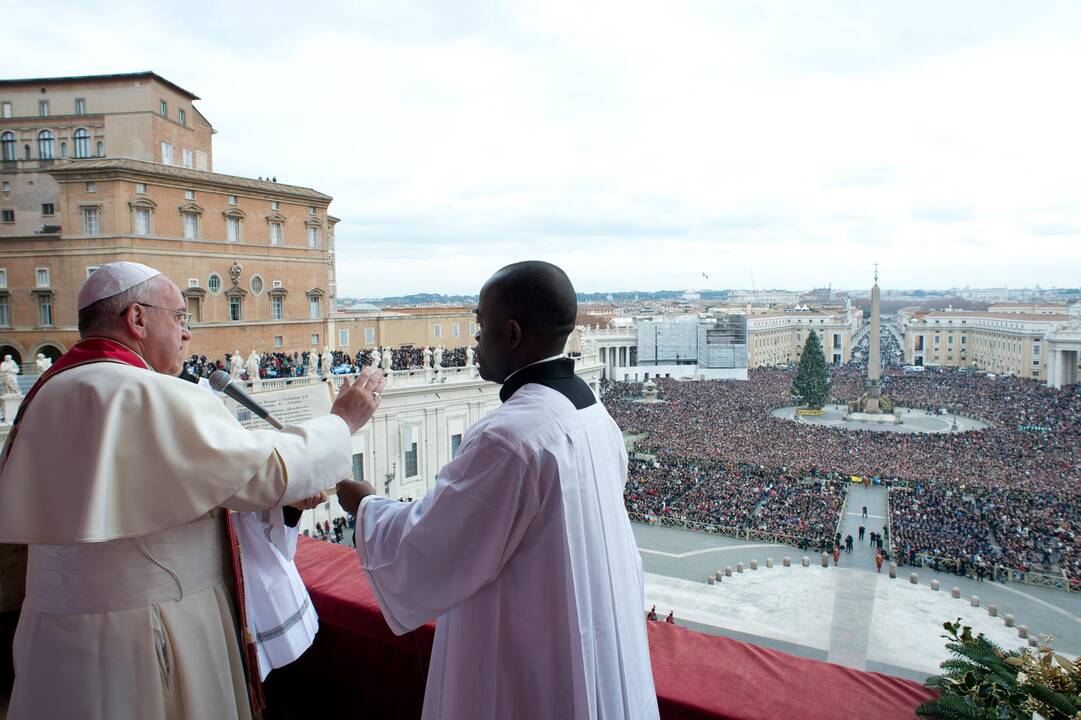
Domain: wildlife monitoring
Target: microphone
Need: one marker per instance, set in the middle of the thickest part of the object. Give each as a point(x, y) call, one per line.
point(221, 381)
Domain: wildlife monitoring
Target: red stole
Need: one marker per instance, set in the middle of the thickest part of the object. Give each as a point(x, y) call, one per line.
point(84, 352)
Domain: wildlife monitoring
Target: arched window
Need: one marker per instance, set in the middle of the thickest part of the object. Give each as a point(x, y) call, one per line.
point(82, 143)
point(45, 145)
point(101, 149)
point(7, 142)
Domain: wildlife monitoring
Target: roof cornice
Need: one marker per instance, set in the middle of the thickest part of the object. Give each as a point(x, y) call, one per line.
point(66, 171)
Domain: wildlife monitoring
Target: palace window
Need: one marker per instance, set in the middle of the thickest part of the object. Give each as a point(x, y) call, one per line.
point(193, 300)
point(233, 228)
point(45, 309)
point(5, 311)
point(275, 233)
point(358, 467)
point(91, 221)
point(7, 143)
point(213, 283)
point(276, 305)
point(45, 145)
point(80, 106)
point(409, 457)
point(191, 225)
point(141, 221)
point(82, 143)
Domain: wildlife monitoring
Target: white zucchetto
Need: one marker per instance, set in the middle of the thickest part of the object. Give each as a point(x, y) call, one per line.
point(113, 278)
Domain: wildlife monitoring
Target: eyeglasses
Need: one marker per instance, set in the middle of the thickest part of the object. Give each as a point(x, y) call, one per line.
point(182, 316)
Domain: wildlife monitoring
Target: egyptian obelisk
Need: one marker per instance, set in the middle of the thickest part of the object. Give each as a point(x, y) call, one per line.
point(874, 369)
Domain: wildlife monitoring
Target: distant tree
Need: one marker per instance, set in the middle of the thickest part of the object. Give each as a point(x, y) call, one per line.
point(812, 384)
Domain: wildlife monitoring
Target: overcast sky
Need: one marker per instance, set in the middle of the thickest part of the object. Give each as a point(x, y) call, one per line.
point(638, 145)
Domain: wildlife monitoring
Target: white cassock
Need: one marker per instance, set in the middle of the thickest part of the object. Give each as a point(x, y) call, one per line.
point(117, 481)
point(524, 554)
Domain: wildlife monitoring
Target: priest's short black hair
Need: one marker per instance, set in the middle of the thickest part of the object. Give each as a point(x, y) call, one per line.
point(539, 295)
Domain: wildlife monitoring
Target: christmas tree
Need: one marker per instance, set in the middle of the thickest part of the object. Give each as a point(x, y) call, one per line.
point(812, 384)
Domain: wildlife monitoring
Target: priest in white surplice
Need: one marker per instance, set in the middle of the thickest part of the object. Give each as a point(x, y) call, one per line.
point(117, 475)
point(523, 552)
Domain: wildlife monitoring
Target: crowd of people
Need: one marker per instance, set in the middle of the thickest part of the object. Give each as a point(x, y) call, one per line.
point(736, 497)
point(273, 365)
point(1005, 495)
point(334, 532)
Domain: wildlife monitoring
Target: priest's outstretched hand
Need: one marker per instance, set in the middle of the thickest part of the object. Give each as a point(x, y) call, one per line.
point(350, 493)
point(357, 401)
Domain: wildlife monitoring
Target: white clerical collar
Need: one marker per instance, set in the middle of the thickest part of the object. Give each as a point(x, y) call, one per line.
point(538, 362)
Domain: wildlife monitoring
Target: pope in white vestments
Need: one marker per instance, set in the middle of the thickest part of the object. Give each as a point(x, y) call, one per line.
point(523, 552)
point(118, 476)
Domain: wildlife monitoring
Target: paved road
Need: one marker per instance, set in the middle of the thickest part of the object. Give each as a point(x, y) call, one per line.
point(854, 600)
point(874, 499)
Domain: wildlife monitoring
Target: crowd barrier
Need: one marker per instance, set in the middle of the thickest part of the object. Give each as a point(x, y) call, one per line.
point(1059, 581)
point(728, 531)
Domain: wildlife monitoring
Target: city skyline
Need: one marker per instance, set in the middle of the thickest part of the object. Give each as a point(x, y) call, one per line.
point(637, 148)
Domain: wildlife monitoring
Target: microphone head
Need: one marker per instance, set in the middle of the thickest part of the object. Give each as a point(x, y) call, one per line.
point(219, 379)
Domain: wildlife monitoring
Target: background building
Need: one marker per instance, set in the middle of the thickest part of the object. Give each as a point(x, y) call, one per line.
point(1015, 343)
point(364, 327)
point(723, 342)
point(777, 337)
point(118, 167)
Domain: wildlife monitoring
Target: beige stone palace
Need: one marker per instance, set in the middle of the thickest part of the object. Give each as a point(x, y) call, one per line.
point(1041, 343)
point(120, 167)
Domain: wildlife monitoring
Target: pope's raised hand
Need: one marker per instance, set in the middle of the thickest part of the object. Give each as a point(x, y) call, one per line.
point(309, 503)
point(358, 400)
